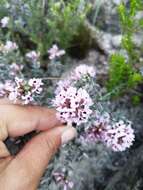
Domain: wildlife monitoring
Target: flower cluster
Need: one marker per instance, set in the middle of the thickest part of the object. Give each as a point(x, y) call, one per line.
point(55, 52)
point(15, 69)
point(6, 88)
point(83, 71)
point(8, 47)
point(120, 136)
point(73, 105)
point(33, 56)
point(21, 90)
point(62, 180)
point(98, 128)
point(4, 21)
point(80, 73)
point(117, 135)
point(76, 103)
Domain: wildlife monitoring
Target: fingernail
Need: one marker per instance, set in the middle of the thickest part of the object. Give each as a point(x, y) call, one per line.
point(68, 134)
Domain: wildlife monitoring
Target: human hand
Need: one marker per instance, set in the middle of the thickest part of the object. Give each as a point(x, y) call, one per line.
point(23, 171)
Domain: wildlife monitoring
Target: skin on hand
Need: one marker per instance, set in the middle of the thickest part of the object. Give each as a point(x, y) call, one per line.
point(23, 171)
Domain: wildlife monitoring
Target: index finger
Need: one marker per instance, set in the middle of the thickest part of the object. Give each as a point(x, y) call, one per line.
point(17, 120)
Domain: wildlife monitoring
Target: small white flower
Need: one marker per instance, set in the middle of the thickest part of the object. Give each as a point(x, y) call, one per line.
point(36, 85)
point(27, 98)
point(55, 52)
point(63, 84)
point(15, 68)
point(9, 86)
point(4, 21)
point(13, 96)
point(33, 56)
point(2, 91)
point(10, 46)
point(63, 180)
point(19, 82)
point(35, 82)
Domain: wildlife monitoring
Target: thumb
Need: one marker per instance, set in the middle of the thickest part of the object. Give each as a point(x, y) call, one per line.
point(33, 159)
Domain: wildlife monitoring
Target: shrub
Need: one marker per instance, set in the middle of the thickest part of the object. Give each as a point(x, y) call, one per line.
point(45, 22)
point(124, 71)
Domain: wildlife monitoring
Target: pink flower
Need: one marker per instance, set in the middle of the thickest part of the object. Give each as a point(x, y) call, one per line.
point(120, 136)
point(13, 96)
point(20, 83)
point(36, 85)
point(80, 72)
point(73, 105)
point(15, 68)
point(21, 89)
point(8, 86)
point(63, 85)
point(27, 98)
point(117, 136)
point(83, 71)
point(63, 180)
point(55, 52)
point(10, 46)
point(33, 56)
point(96, 132)
point(2, 91)
point(4, 21)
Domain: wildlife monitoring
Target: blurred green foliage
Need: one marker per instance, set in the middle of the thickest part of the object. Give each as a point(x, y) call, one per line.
point(120, 72)
point(124, 72)
point(45, 22)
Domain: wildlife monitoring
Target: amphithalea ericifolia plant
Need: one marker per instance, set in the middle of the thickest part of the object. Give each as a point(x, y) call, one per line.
point(77, 101)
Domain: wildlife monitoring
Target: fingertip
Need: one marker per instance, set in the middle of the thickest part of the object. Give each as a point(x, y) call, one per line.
point(46, 118)
point(21, 120)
